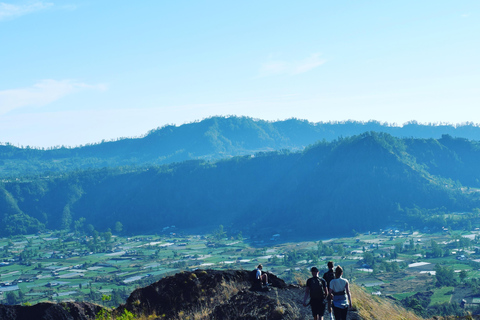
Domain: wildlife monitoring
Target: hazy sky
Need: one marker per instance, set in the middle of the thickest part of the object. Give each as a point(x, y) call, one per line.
point(74, 72)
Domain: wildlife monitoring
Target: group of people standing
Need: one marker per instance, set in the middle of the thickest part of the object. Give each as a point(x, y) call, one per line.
point(332, 290)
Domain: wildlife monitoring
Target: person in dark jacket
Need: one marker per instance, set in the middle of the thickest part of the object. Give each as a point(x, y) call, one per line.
point(329, 276)
point(316, 288)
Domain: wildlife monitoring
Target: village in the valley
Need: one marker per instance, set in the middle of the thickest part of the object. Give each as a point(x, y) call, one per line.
point(392, 262)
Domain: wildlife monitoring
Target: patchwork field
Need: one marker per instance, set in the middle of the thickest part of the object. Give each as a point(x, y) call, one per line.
point(66, 266)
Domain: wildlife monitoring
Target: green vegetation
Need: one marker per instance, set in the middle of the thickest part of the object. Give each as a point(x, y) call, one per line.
point(411, 204)
point(442, 295)
point(401, 296)
point(380, 176)
point(215, 138)
point(60, 267)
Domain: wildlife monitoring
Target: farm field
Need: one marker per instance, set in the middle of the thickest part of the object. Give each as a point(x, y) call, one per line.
point(67, 266)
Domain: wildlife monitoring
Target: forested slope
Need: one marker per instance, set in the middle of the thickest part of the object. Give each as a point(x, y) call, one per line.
point(363, 182)
point(211, 139)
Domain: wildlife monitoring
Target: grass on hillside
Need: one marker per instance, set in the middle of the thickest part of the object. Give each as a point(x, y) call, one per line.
point(401, 296)
point(372, 307)
point(442, 295)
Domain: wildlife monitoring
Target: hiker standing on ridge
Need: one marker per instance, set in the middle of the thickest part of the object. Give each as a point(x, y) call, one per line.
point(342, 299)
point(317, 289)
point(330, 274)
point(328, 277)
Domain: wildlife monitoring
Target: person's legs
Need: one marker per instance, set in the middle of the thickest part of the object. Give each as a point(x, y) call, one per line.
point(264, 278)
point(314, 306)
point(321, 310)
point(318, 308)
point(330, 313)
point(340, 313)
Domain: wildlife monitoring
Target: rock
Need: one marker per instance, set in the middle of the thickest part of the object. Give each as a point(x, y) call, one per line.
point(50, 311)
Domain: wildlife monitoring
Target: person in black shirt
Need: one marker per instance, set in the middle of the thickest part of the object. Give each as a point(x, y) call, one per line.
point(329, 276)
point(317, 289)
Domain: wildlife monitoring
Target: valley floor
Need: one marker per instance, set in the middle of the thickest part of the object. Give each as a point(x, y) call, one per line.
point(67, 267)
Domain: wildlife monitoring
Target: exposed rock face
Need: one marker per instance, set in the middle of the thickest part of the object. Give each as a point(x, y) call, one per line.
point(50, 311)
point(200, 291)
point(248, 306)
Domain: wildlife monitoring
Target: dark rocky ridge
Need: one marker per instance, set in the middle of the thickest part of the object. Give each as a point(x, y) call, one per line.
point(214, 295)
point(50, 311)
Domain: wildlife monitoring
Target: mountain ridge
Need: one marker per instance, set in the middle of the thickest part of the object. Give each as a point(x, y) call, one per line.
point(210, 139)
point(368, 179)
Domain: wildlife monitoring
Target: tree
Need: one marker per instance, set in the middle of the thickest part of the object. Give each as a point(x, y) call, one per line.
point(399, 246)
point(107, 236)
point(463, 242)
point(219, 234)
point(445, 276)
point(21, 296)
point(339, 249)
point(463, 275)
point(368, 258)
point(78, 224)
point(118, 227)
point(436, 250)
point(66, 218)
point(11, 298)
point(90, 229)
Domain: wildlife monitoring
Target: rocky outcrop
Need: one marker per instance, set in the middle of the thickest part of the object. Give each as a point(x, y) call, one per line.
point(50, 311)
point(200, 291)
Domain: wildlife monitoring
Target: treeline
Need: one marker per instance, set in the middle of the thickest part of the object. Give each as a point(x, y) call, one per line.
point(363, 182)
point(211, 139)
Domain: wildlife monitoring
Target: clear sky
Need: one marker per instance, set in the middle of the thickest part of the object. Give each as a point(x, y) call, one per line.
point(78, 71)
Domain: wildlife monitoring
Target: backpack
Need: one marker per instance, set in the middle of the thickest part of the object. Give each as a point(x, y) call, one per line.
point(316, 288)
point(253, 276)
point(328, 276)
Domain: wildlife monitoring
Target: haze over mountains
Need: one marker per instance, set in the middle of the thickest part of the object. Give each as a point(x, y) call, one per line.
point(211, 139)
point(364, 182)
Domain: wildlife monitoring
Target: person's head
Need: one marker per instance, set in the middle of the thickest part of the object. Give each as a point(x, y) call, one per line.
point(338, 272)
point(330, 265)
point(314, 271)
point(260, 266)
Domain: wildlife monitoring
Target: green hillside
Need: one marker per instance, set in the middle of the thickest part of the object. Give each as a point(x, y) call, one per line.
point(211, 139)
point(362, 182)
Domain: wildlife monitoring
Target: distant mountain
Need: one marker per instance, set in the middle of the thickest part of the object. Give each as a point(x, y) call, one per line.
point(365, 182)
point(211, 139)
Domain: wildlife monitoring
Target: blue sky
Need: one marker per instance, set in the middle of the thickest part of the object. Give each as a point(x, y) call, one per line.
point(76, 72)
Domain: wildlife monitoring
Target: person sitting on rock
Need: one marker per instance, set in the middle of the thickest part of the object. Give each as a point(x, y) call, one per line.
point(261, 277)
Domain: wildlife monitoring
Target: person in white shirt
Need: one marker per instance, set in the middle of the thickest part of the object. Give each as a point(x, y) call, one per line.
point(342, 299)
point(262, 277)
